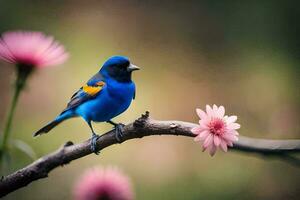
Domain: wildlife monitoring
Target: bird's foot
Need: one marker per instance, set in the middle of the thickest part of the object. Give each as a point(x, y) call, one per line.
point(119, 132)
point(94, 139)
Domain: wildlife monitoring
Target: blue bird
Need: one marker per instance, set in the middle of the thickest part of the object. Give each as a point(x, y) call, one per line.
point(106, 95)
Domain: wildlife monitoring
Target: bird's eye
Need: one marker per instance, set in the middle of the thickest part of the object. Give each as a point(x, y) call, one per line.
point(124, 65)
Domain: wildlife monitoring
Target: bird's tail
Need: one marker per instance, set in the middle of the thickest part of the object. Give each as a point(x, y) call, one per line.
point(62, 117)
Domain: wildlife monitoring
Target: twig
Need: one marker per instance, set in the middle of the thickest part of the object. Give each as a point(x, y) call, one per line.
point(144, 126)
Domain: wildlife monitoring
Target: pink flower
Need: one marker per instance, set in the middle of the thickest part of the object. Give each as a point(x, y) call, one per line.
point(103, 184)
point(215, 129)
point(33, 49)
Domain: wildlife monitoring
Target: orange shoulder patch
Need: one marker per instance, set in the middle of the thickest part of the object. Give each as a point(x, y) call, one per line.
point(93, 90)
point(100, 83)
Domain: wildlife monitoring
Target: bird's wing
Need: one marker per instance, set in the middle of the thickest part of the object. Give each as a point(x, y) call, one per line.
point(90, 90)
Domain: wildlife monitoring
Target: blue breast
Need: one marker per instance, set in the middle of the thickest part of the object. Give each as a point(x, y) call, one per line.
point(114, 99)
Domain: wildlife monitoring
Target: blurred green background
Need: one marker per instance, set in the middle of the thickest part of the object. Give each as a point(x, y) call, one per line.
point(240, 54)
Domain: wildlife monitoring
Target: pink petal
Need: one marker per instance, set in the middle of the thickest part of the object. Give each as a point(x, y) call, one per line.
point(231, 119)
point(201, 136)
point(198, 138)
point(208, 141)
point(203, 123)
point(204, 134)
point(221, 112)
point(217, 140)
point(233, 126)
point(235, 133)
point(223, 146)
point(215, 108)
point(230, 137)
point(232, 132)
point(196, 130)
point(212, 150)
point(209, 111)
point(201, 113)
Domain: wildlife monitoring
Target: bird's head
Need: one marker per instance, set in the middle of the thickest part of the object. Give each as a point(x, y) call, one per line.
point(118, 68)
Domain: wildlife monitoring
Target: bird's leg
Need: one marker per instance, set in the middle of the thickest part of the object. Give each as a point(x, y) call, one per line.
point(119, 127)
point(94, 139)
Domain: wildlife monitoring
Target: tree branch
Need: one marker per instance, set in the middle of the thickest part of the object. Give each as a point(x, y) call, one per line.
point(141, 127)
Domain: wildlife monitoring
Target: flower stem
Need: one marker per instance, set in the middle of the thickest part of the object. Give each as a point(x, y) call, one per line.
point(22, 75)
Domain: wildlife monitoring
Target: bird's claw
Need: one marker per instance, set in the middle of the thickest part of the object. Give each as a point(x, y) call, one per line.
point(94, 139)
point(119, 132)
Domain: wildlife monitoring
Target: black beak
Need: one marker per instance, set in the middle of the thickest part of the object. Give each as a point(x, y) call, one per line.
point(132, 67)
